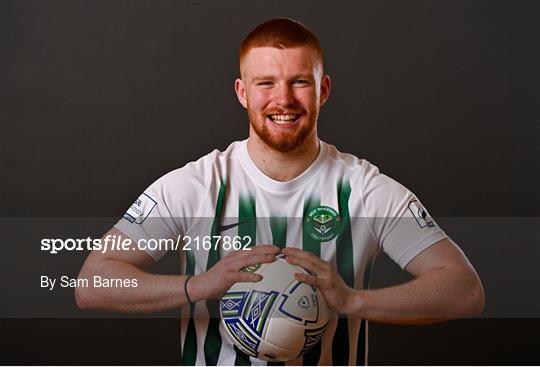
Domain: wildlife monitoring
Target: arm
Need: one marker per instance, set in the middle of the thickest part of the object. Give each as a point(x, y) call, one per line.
point(160, 292)
point(146, 297)
point(445, 287)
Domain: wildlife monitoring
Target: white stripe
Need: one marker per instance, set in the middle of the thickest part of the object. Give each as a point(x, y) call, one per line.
point(227, 354)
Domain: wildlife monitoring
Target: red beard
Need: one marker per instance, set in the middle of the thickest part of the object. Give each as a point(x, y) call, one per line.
point(285, 140)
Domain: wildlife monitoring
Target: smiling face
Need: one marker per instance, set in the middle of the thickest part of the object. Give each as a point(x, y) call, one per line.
point(282, 90)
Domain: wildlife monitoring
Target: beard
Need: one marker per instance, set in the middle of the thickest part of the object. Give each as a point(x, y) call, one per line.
point(286, 140)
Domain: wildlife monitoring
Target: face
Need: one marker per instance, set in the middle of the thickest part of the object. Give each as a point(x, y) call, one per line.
point(282, 90)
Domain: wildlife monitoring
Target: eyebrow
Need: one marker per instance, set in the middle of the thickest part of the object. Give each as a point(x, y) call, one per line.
point(270, 77)
point(264, 77)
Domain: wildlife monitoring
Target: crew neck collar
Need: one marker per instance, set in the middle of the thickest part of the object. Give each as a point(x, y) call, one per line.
point(281, 186)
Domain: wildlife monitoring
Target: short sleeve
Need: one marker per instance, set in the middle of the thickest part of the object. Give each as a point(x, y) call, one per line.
point(149, 218)
point(400, 222)
point(166, 209)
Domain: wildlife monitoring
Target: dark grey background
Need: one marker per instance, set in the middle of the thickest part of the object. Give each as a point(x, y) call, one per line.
point(98, 100)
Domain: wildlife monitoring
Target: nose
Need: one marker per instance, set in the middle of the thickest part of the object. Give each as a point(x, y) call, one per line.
point(284, 95)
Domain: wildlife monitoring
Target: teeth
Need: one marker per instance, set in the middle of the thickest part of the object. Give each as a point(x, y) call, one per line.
point(283, 119)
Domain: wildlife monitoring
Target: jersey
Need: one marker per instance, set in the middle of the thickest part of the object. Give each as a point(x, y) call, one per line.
point(341, 208)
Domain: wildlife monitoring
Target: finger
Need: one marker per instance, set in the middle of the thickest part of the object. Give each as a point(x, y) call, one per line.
point(305, 263)
point(252, 259)
point(239, 255)
point(247, 277)
point(308, 256)
point(265, 249)
point(259, 249)
point(308, 279)
point(270, 250)
point(300, 253)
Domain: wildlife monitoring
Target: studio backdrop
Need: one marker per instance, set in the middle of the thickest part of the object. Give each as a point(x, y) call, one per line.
point(98, 100)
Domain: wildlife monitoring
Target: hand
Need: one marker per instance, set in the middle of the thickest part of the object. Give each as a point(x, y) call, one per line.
point(339, 297)
point(215, 282)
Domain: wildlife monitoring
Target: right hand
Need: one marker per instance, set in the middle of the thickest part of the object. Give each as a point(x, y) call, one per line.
point(218, 279)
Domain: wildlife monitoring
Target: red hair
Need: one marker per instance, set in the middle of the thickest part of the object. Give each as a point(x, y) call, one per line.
point(281, 33)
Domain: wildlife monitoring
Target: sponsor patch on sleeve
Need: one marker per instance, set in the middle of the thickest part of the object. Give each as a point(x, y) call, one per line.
point(140, 209)
point(420, 214)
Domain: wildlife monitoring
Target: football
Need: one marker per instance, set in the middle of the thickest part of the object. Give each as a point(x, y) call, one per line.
point(277, 319)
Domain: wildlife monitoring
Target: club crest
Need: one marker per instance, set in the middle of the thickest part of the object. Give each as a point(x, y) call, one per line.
point(322, 223)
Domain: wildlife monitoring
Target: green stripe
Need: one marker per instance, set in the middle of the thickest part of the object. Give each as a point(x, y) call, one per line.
point(189, 352)
point(278, 226)
point(345, 268)
point(212, 341)
point(283, 364)
point(247, 217)
point(308, 243)
point(247, 228)
point(340, 343)
point(361, 347)
point(242, 359)
point(367, 273)
point(344, 247)
point(213, 254)
point(312, 356)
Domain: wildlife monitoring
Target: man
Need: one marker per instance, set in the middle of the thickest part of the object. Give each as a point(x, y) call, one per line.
point(272, 190)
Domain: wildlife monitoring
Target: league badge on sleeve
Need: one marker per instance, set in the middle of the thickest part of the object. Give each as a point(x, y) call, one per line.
point(421, 214)
point(140, 209)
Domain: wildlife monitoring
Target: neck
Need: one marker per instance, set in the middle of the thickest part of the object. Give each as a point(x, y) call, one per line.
point(282, 166)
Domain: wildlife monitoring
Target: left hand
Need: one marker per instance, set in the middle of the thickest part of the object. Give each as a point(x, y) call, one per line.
point(339, 297)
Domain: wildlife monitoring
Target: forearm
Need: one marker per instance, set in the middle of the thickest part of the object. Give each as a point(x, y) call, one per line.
point(152, 292)
point(437, 295)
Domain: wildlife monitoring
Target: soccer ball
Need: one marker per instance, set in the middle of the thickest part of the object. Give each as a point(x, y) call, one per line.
point(276, 319)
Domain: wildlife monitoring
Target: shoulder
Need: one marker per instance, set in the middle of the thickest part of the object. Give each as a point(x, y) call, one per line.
point(364, 177)
point(203, 169)
point(349, 165)
point(197, 177)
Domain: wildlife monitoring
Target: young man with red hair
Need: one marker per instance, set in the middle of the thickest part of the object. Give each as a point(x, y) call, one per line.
point(270, 185)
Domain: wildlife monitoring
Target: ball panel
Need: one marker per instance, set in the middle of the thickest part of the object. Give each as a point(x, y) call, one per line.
point(242, 337)
point(300, 302)
point(285, 333)
point(312, 337)
point(277, 275)
point(232, 304)
point(273, 353)
point(257, 309)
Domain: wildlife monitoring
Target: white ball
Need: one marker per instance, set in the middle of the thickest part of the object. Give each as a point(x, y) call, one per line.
point(276, 319)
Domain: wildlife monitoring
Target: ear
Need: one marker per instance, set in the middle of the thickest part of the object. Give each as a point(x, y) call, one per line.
point(326, 84)
point(240, 90)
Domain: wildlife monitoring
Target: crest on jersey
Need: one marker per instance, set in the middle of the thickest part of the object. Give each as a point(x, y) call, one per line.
point(322, 223)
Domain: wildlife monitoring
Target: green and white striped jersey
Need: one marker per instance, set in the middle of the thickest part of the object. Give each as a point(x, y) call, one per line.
point(341, 209)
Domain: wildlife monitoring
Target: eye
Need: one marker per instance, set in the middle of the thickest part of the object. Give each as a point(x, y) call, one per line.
point(301, 82)
point(264, 83)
